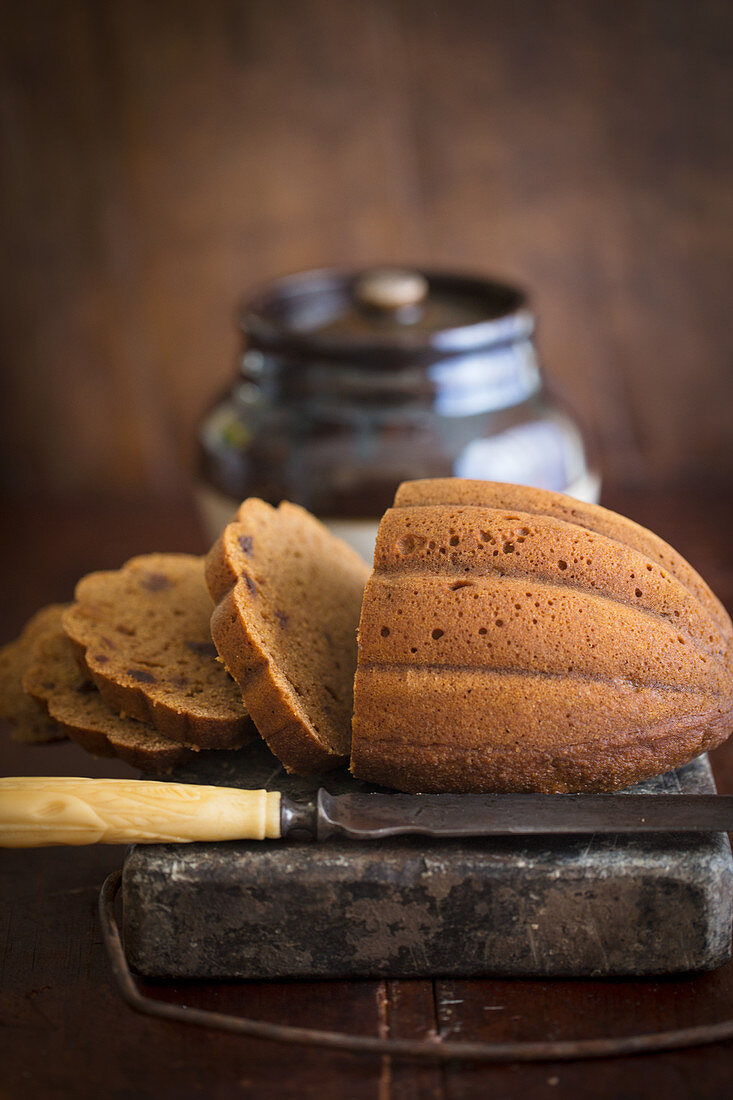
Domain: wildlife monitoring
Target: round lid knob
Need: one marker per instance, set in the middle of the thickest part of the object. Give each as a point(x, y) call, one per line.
point(391, 288)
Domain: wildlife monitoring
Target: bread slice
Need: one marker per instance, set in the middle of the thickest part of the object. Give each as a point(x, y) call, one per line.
point(288, 596)
point(31, 722)
point(513, 639)
point(142, 631)
point(55, 680)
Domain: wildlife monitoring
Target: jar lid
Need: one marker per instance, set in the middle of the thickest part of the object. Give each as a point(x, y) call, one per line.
point(385, 313)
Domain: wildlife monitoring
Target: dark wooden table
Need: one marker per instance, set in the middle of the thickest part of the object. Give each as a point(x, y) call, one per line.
point(65, 1032)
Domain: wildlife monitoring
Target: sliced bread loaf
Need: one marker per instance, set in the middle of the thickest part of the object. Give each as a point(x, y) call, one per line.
point(288, 596)
point(516, 640)
point(143, 633)
point(31, 722)
point(55, 680)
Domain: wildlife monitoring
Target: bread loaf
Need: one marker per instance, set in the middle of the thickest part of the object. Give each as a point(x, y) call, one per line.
point(516, 640)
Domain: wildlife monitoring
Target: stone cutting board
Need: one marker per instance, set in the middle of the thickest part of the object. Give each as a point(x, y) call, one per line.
point(411, 907)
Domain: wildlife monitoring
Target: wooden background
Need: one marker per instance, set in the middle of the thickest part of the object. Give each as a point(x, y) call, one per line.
point(162, 158)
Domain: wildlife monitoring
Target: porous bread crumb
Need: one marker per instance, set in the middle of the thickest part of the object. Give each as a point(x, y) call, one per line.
point(55, 679)
point(288, 596)
point(30, 722)
point(142, 632)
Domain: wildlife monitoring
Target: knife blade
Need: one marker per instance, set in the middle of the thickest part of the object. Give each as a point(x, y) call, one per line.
point(50, 810)
point(375, 816)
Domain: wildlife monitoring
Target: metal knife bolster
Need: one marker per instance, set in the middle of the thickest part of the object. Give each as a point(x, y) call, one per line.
point(300, 818)
point(373, 816)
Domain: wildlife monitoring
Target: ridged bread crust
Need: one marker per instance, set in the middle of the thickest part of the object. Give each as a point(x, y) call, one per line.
point(516, 640)
point(288, 596)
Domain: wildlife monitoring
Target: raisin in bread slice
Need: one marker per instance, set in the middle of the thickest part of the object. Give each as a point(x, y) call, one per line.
point(288, 596)
point(55, 680)
point(31, 723)
point(142, 632)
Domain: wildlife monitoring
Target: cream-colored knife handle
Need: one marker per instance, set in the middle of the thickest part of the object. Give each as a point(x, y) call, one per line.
point(39, 811)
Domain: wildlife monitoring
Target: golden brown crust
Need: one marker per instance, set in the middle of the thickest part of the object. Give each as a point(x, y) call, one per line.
point(56, 681)
point(30, 722)
point(534, 733)
point(592, 517)
point(532, 643)
point(143, 633)
point(287, 597)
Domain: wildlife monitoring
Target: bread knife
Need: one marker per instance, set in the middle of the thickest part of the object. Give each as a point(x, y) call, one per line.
point(35, 812)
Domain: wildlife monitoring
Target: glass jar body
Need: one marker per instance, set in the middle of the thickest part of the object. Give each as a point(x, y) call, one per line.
point(338, 437)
